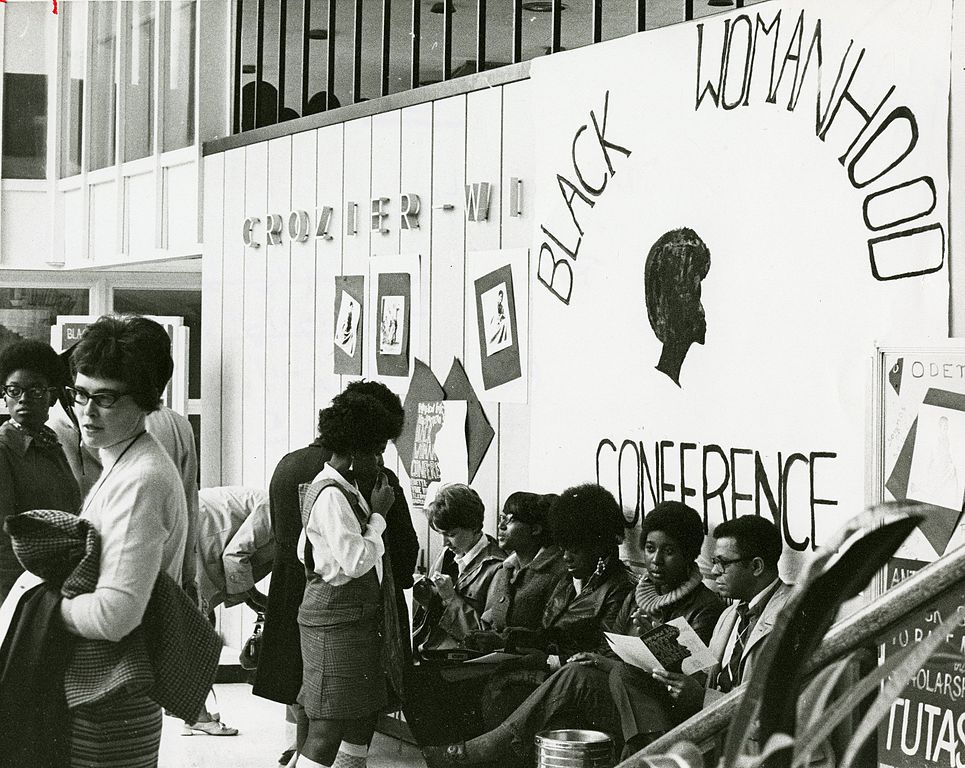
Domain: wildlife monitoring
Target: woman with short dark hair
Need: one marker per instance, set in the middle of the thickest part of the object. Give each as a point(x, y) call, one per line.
point(344, 616)
point(138, 508)
point(34, 473)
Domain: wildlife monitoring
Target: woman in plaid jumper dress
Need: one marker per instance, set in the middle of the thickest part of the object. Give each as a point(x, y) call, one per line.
point(342, 615)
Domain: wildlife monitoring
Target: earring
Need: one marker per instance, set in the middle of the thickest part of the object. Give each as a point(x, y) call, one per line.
point(600, 566)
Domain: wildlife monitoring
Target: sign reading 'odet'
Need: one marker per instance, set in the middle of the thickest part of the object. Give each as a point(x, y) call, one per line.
point(729, 213)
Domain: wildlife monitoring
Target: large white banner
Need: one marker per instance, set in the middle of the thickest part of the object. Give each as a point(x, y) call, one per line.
point(730, 212)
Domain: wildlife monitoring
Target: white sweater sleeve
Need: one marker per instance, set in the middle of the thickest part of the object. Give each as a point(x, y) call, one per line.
point(131, 553)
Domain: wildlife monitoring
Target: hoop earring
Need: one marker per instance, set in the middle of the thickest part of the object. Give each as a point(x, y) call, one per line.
point(600, 566)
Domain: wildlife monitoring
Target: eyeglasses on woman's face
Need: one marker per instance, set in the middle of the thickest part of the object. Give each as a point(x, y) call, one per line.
point(15, 391)
point(105, 398)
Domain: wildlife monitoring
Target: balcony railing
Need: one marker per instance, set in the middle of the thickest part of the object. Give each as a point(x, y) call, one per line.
point(299, 57)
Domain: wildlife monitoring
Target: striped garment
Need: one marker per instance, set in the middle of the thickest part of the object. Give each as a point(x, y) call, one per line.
point(123, 733)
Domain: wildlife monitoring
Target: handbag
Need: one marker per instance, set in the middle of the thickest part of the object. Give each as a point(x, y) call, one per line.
point(248, 658)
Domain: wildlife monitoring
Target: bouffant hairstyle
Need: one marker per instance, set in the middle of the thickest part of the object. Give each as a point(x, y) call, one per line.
point(128, 350)
point(676, 264)
point(456, 505)
point(532, 509)
point(755, 537)
point(389, 400)
point(587, 517)
point(678, 521)
point(36, 357)
point(356, 423)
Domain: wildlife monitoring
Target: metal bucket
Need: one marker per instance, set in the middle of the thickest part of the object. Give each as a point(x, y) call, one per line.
point(574, 748)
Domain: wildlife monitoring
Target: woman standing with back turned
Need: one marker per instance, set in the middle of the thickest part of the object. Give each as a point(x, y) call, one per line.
point(346, 629)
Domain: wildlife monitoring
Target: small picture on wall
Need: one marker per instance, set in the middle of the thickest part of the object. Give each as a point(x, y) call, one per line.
point(495, 309)
point(391, 325)
point(347, 324)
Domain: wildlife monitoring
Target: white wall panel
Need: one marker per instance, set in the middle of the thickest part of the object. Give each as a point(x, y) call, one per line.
point(519, 135)
point(74, 229)
point(357, 187)
point(103, 221)
point(233, 314)
point(181, 206)
point(448, 262)
point(253, 327)
point(301, 339)
point(417, 179)
point(26, 236)
point(278, 301)
point(140, 205)
point(483, 165)
point(212, 307)
point(328, 260)
point(386, 176)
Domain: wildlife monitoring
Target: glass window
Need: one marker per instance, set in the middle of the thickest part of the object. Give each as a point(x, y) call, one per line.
point(29, 313)
point(319, 40)
point(177, 88)
point(138, 71)
point(400, 46)
point(186, 304)
point(74, 20)
point(103, 90)
point(25, 91)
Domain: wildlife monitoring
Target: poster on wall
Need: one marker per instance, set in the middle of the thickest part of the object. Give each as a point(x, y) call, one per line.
point(349, 301)
point(729, 213)
point(68, 329)
point(439, 455)
point(924, 724)
point(497, 331)
point(920, 435)
point(394, 302)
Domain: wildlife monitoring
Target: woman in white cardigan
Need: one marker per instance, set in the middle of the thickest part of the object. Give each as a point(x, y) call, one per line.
point(139, 509)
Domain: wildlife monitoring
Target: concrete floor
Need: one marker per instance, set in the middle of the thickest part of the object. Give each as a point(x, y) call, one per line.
point(260, 740)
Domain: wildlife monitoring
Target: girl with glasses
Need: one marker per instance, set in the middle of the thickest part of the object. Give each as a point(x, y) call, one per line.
point(34, 473)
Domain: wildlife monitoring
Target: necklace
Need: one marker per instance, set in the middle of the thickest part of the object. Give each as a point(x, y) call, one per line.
point(100, 482)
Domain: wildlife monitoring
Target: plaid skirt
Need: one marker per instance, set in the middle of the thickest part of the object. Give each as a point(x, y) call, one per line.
point(341, 641)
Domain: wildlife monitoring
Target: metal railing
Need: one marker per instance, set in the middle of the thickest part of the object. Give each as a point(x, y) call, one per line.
point(863, 628)
point(260, 102)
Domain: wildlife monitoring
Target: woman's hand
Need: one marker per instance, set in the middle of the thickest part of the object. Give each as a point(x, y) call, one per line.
point(683, 689)
point(595, 660)
point(443, 586)
point(383, 496)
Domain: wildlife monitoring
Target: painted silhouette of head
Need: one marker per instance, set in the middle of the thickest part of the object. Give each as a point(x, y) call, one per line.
point(676, 264)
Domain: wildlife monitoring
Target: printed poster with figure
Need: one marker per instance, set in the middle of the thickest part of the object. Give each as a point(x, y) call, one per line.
point(440, 454)
point(347, 338)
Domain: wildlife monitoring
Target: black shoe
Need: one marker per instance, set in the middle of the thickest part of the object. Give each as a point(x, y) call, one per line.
point(446, 756)
point(286, 756)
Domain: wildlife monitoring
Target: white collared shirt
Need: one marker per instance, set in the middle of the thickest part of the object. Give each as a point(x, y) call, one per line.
point(761, 597)
point(462, 561)
point(341, 553)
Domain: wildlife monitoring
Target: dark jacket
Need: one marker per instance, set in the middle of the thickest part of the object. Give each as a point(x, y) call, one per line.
point(31, 477)
point(701, 608)
point(575, 622)
point(438, 625)
point(279, 673)
point(518, 596)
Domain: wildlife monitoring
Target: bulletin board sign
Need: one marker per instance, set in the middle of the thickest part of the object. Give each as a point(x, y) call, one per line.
point(701, 319)
point(394, 318)
point(924, 724)
point(920, 441)
point(349, 338)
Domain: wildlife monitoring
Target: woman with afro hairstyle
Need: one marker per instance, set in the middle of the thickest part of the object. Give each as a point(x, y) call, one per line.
point(34, 473)
point(348, 596)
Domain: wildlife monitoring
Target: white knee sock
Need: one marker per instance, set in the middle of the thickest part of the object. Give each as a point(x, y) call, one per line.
point(303, 762)
point(351, 755)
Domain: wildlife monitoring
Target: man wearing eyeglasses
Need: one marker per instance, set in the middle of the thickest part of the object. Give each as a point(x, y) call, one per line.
point(746, 551)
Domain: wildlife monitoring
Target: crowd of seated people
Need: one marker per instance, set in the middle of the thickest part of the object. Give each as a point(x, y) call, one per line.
point(563, 673)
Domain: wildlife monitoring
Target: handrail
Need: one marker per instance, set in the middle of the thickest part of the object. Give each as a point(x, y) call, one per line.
point(865, 626)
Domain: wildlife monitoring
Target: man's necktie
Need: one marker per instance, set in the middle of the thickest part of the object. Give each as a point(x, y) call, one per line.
point(730, 674)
